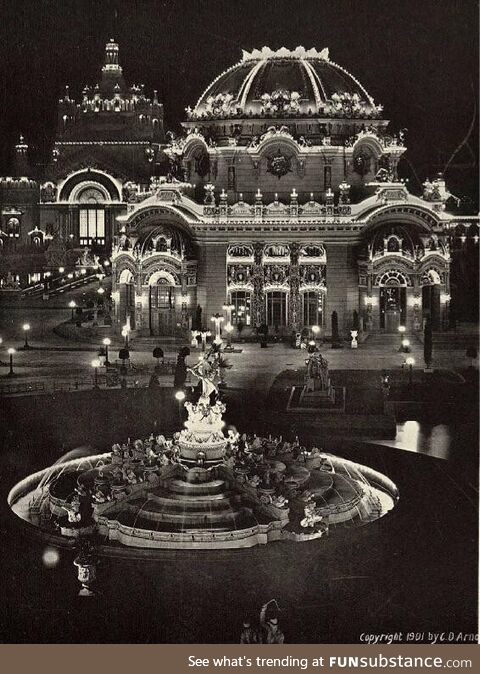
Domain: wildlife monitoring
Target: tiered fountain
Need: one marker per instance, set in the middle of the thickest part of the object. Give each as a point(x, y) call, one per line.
point(202, 488)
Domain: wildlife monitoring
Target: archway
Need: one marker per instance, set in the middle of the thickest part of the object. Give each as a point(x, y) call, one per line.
point(162, 313)
point(392, 299)
point(126, 298)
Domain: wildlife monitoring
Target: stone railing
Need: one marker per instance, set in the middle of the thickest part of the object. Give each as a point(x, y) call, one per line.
point(288, 211)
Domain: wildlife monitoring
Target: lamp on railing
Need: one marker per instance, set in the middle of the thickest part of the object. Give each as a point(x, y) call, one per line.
point(106, 343)
point(10, 352)
point(26, 328)
point(410, 362)
point(126, 332)
point(72, 304)
point(180, 397)
point(95, 364)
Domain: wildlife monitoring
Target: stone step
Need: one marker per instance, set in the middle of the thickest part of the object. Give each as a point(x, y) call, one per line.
point(199, 519)
point(190, 488)
point(206, 504)
point(139, 522)
point(161, 493)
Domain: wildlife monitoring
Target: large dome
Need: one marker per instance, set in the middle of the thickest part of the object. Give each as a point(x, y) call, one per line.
point(299, 83)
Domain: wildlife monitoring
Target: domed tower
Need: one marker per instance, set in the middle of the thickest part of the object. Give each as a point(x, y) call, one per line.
point(280, 120)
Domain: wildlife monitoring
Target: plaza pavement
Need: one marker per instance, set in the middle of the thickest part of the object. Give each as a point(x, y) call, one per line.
point(54, 358)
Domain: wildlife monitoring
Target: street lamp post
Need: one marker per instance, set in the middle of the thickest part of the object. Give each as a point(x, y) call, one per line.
point(72, 304)
point(180, 397)
point(204, 335)
point(315, 332)
point(410, 362)
point(218, 320)
point(228, 326)
point(446, 298)
point(405, 345)
point(95, 364)
point(26, 328)
point(10, 355)
point(401, 330)
point(106, 342)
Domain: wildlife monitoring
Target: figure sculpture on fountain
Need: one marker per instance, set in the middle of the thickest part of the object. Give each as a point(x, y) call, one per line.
point(207, 370)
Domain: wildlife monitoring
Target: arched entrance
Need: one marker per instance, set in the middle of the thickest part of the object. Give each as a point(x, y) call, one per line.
point(392, 299)
point(162, 303)
point(126, 298)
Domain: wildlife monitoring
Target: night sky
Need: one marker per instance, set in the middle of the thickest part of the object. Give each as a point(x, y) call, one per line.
point(419, 58)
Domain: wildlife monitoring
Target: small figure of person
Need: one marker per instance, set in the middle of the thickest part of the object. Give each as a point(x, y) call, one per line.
point(249, 634)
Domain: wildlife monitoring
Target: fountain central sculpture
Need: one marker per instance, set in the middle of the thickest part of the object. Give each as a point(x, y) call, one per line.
point(202, 488)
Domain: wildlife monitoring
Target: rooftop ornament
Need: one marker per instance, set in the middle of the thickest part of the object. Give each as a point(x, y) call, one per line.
point(284, 53)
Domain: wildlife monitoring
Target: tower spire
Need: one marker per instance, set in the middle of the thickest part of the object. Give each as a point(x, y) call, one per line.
point(112, 74)
point(111, 57)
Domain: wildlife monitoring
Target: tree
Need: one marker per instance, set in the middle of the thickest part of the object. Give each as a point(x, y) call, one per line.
point(180, 375)
point(123, 354)
point(356, 322)
point(158, 353)
point(427, 344)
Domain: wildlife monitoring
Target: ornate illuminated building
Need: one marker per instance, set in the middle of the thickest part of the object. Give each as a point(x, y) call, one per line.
point(281, 198)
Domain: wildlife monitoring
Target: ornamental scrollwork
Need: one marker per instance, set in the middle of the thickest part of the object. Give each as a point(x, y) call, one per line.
point(280, 101)
point(276, 275)
point(279, 164)
point(239, 274)
point(312, 275)
point(351, 106)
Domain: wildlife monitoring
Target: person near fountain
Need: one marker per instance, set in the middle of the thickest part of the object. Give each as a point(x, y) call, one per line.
point(270, 630)
point(249, 634)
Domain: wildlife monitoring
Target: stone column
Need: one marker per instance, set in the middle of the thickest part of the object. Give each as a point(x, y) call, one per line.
point(258, 299)
point(294, 308)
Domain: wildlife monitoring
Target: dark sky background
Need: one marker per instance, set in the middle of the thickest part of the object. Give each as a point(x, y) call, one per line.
point(419, 58)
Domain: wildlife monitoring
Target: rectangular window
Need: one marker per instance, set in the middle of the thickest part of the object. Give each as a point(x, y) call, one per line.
point(242, 303)
point(162, 297)
point(277, 309)
point(92, 226)
point(312, 308)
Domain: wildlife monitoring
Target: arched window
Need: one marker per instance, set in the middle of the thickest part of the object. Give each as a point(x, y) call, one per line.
point(92, 215)
point(392, 277)
point(13, 228)
point(431, 277)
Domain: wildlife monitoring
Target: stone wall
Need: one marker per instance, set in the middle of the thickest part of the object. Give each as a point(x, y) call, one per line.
point(342, 286)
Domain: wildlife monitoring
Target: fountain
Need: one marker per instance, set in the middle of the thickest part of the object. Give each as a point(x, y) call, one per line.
point(201, 488)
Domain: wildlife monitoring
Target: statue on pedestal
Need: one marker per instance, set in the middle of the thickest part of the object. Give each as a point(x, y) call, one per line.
point(317, 378)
